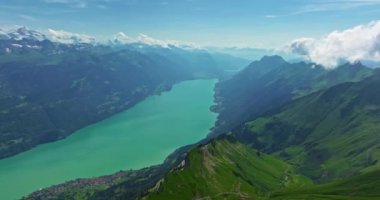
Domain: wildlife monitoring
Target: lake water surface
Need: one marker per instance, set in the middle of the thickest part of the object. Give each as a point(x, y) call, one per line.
point(139, 137)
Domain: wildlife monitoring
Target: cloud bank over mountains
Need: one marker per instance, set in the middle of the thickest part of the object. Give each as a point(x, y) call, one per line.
point(360, 43)
point(59, 36)
point(122, 38)
point(65, 37)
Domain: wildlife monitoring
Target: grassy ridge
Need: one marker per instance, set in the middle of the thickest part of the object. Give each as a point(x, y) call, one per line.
point(329, 134)
point(225, 169)
point(325, 136)
point(321, 146)
point(272, 82)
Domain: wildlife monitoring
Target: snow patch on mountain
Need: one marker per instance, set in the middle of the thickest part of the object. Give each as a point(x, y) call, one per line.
point(65, 37)
point(22, 33)
point(58, 36)
point(142, 39)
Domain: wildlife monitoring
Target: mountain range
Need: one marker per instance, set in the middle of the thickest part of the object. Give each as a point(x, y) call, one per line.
point(272, 82)
point(45, 83)
point(285, 131)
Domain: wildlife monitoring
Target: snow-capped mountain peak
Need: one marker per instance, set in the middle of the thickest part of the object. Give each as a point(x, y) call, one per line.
point(57, 36)
point(24, 36)
point(25, 33)
point(65, 37)
point(144, 40)
point(4, 35)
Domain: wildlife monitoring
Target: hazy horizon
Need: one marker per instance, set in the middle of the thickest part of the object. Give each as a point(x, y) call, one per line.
point(255, 24)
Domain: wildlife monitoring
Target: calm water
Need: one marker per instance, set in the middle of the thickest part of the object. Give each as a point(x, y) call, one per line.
point(142, 136)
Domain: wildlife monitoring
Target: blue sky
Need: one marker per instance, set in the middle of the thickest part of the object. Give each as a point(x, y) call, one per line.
point(250, 23)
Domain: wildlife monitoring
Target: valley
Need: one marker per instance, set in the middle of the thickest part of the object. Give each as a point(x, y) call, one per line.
point(139, 137)
point(228, 109)
point(320, 136)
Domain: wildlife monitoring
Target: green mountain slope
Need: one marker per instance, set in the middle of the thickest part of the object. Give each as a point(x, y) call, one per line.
point(227, 169)
point(272, 82)
point(319, 146)
point(329, 134)
point(43, 101)
point(122, 185)
point(360, 187)
point(46, 98)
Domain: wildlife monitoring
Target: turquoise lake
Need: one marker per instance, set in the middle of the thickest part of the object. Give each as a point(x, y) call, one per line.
point(139, 137)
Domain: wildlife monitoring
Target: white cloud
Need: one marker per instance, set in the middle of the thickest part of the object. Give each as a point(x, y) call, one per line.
point(68, 38)
point(61, 36)
point(313, 6)
point(270, 16)
point(4, 35)
point(361, 43)
point(72, 3)
point(27, 17)
point(122, 38)
point(101, 6)
point(152, 41)
point(333, 5)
